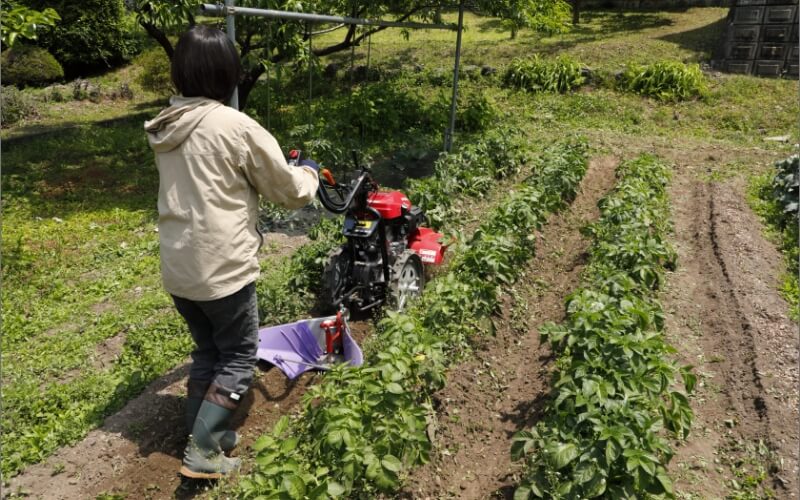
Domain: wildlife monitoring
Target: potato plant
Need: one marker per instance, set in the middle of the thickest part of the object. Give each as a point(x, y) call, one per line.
point(614, 386)
point(469, 173)
point(361, 428)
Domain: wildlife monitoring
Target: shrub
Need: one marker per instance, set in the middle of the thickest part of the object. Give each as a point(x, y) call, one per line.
point(92, 34)
point(664, 80)
point(380, 110)
point(14, 106)
point(475, 112)
point(28, 65)
point(535, 74)
point(155, 72)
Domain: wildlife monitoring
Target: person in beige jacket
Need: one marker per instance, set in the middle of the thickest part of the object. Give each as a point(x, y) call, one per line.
point(213, 164)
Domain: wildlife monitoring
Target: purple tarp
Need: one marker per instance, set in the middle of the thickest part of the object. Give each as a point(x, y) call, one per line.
point(298, 347)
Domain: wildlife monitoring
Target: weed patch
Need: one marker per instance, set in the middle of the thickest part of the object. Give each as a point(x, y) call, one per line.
point(539, 75)
point(664, 81)
point(774, 196)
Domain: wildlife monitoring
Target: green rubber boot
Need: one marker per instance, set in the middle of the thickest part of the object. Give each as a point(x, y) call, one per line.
point(203, 458)
point(229, 440)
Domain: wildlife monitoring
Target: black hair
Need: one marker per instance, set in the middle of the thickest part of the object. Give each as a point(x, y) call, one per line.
point(206, 64)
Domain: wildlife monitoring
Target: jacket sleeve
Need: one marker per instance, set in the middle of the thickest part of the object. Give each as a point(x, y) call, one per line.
point(263, 164)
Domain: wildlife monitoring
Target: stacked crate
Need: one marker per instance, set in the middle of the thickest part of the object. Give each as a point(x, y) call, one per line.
point(761, 38)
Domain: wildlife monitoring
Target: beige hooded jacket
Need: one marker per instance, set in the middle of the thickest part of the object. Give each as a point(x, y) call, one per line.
point(213, 162)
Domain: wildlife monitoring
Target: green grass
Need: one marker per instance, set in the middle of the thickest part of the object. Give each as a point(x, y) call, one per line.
point(80, 267)
point(762, 200)
point(86, 324)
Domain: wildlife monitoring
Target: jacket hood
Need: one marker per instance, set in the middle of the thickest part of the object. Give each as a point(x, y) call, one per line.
point(173, 125)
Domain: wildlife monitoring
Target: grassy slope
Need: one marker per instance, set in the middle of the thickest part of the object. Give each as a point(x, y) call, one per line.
point(85, 323)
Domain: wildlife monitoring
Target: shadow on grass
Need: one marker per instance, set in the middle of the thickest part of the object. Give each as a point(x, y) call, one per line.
point(143, 111)
point(602, 25)
point(492, 25)
point(703, 40)
point(87, 167)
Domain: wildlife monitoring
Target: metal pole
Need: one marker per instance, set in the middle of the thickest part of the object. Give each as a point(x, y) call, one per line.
point(231, 30)
point(448, 134)
point(229, 10)
point(310, 73)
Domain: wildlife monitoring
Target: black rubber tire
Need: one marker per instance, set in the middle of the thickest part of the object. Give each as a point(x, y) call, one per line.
point(407, 280)
point(338, 267)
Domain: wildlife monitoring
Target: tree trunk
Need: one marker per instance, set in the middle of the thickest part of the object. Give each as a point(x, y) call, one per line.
point(159, 37)
point(247, 84)
point(576, 12)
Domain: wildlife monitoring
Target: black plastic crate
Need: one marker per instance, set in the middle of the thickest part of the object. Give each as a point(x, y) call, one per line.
point(773, 51)
point(748, 15)
point(744, 33)
point(776, 33)
point(780, 14)
point(768, 68)
point(741, 51)
point(740, 67)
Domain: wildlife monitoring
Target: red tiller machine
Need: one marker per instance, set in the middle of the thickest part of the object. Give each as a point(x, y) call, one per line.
point(382, 261)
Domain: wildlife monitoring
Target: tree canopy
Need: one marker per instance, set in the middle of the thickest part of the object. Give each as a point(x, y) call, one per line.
point(21, 22)
point(263, 43)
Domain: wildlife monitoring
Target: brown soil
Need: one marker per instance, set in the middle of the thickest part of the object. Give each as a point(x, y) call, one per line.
point(137, 452)
point(726, 318)
point(500, 390)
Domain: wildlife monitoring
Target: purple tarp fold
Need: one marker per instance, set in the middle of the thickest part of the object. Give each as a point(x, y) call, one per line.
point(298, 347)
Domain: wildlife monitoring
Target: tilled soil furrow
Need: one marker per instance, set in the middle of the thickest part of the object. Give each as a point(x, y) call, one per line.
point(502, 389)
point(725, 317)
point(742, 378)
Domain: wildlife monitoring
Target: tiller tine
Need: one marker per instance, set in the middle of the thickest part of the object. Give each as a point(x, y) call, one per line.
point(312, 344)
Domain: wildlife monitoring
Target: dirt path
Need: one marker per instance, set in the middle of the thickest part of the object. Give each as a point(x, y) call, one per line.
point(498, 391)
point(725, 316)
point(137, 452)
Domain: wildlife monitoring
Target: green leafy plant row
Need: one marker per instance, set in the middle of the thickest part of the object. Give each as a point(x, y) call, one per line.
point(535, 74)
point(664, 80)
point(614, 392)
point(471, 173)
point(362, 428)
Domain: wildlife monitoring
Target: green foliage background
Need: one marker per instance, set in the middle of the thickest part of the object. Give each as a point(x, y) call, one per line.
point(92, 34)
point(28, 65)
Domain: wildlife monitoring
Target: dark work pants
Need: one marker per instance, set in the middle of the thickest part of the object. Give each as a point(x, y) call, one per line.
point(225, 333)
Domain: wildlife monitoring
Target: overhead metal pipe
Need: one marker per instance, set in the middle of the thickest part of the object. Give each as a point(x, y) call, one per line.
point(229, 10)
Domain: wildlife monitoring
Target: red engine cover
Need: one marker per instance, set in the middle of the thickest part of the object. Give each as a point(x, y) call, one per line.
point(425, 243)
point(390, 204)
